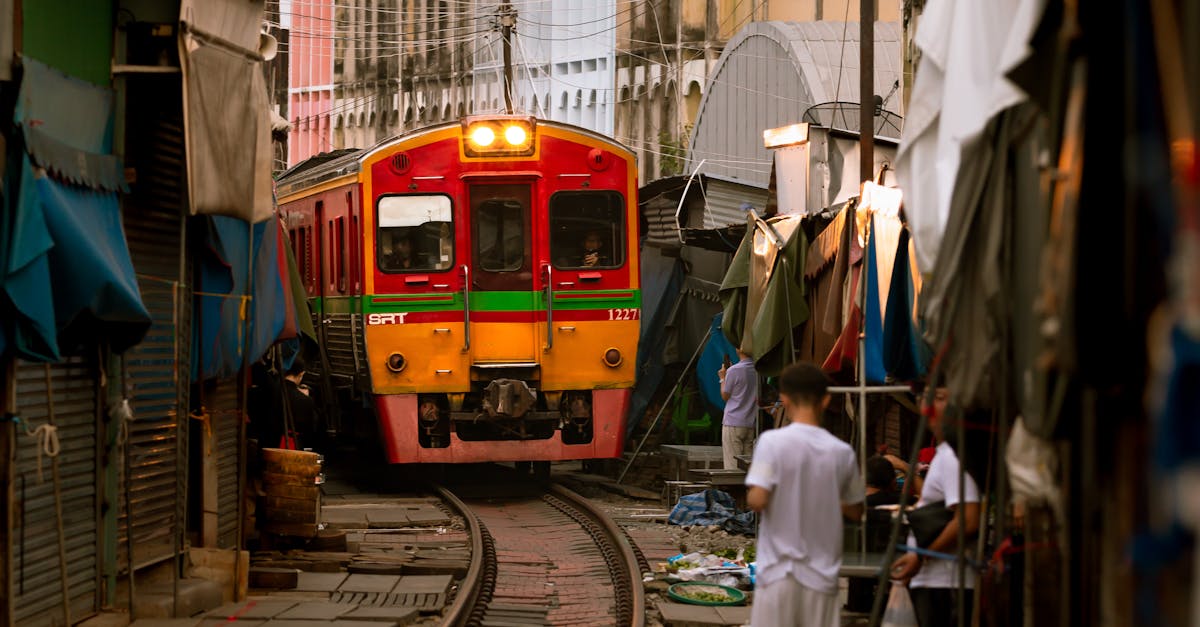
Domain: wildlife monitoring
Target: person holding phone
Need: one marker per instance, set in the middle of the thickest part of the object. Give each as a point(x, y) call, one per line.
point(739, 388)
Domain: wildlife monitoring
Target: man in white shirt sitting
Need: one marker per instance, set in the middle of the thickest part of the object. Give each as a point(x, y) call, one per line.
point(802, 481)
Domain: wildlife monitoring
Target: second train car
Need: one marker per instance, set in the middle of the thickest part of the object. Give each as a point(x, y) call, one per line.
point(476, 287)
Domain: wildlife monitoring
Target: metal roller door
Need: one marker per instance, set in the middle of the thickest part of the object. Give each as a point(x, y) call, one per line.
point(225, 411)
point(36, 581)
point(153, 220)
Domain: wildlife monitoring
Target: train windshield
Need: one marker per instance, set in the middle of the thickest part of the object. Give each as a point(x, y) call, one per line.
point(416, 233)
point(587, 230)
point(500, 225)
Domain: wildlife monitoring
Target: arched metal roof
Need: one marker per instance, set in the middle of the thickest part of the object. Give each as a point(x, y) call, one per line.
point(769, 75)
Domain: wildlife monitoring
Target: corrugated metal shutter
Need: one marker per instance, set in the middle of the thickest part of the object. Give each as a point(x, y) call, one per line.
point(225, 412)
point(153, 219)
point(159, 368)
point(36, 575)
point(153, 369)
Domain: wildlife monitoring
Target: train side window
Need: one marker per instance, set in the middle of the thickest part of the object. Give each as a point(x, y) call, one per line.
point(587, 230)
point(331, 257)
point(354, 263)
point(356, 254)
point(415, 233)
point(294, 244)
point(307, 263)
point(342, 249)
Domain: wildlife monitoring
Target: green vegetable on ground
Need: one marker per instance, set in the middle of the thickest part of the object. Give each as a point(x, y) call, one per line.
point(707, 597)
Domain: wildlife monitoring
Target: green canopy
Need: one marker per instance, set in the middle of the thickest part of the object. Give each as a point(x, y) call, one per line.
point(763, 292)
point(304, 324)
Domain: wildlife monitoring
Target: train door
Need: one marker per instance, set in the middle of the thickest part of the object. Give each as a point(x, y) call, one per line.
point(503, 304)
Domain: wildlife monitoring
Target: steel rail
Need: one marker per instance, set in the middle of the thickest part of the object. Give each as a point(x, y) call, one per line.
point(624, 560)
point(626, 554)
point(472, 590)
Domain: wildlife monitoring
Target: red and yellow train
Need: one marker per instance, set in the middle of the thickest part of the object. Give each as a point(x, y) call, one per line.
point(477, 284)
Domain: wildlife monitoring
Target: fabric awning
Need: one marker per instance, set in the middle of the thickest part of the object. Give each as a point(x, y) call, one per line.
point(67, 126)
point(65, 269)
point(967, 50)
point(763, 292)
point(299, 310)
point(241, 301)
point(662, 278)
point(227, 118)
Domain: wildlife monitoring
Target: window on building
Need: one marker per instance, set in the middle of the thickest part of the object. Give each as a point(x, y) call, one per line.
point(415, 233)
point(587, 230)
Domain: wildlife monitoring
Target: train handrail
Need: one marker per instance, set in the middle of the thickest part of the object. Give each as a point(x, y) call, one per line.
point(466, 308)
point(549, 273)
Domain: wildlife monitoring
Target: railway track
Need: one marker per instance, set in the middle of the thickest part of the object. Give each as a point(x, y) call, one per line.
point(544, 555)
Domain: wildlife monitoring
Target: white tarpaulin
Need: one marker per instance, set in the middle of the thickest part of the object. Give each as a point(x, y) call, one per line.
point(226, 115)
point(967, 48)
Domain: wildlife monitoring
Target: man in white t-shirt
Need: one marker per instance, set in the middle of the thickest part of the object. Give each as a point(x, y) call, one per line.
point(802, 481)
point(933, 583)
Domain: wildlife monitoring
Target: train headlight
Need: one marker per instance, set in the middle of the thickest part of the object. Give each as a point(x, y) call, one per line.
point(515, 135)
point(483, 136)
point(612, 358)
point(396, 362)
point(498, 136)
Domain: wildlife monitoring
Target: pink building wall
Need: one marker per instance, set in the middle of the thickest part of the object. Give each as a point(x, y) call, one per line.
point(310, 78)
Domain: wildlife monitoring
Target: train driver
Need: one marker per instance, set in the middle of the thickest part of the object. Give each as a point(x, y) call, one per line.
point(593, 245)
point(399, 256)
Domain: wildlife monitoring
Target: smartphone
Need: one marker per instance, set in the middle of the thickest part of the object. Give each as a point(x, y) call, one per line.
point(726, 362)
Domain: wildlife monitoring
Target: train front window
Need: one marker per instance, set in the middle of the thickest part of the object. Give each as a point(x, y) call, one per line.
point(415, 233)
point(500, 233)
point(587, 230)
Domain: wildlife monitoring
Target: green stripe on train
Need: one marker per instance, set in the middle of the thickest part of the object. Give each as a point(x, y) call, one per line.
point(482, 301)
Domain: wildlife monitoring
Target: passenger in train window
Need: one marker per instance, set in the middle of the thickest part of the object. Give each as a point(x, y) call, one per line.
point(591, 253)
point(593, 247)
point(400, 256)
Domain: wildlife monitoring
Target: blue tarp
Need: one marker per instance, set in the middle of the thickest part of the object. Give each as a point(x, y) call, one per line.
point(873, 324)
point(712, 508)
point(29, 307)
point(711, 359)
point(65, 271)
point(241, 308)
point(662, 278)
point(905, 353)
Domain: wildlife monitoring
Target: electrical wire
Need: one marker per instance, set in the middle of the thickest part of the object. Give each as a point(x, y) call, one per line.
point(530, 73)
point(837, 88)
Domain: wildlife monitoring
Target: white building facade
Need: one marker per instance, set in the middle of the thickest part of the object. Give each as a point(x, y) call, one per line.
point(563, 61)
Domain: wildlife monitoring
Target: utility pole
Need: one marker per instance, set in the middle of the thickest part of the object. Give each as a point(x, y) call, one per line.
point(866, 91)
point(508, 19)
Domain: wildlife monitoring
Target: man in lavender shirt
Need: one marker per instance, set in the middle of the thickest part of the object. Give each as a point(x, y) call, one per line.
point(739, 388)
